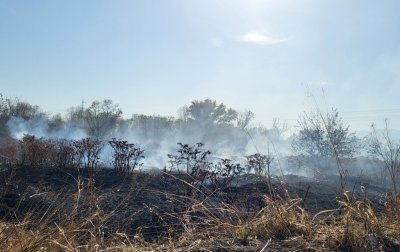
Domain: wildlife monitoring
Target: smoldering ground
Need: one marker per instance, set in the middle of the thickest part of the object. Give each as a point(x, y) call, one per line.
point(227, 133)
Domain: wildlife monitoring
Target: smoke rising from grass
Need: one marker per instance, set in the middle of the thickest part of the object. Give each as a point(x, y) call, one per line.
point(39, 127)
point(212, 124)
point(159, 139)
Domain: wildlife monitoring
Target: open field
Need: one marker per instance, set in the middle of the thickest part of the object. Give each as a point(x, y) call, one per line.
point(206, 181)
point(229, 125)
point(49, 209)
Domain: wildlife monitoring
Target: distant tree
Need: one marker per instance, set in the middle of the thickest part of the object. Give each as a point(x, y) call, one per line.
point(16, 108)
point(76, 115)
point(244, 119)
point(152, 127)
point(208, 112)
point(324, 136)
point(101, 118)
point(279, 127)
point(384, 147)
point(56, 122)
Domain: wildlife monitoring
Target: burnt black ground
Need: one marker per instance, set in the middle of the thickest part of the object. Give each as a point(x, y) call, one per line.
point(150, 203)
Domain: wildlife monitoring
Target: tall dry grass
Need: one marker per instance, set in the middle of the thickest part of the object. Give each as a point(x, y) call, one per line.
point(77, 221)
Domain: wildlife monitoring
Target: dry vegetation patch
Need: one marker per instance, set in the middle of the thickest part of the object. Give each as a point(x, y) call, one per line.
point(103, 210)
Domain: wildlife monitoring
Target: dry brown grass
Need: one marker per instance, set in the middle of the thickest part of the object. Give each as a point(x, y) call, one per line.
point(281, 225)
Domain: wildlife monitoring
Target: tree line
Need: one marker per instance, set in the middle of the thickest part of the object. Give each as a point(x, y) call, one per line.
point(319, 135)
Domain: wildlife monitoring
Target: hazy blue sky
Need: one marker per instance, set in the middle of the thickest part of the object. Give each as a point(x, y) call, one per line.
point(153, 56)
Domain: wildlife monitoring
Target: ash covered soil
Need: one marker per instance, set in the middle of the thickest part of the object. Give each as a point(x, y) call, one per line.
point(151, 203)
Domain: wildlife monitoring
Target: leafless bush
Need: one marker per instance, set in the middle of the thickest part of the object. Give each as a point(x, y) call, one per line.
point(194, 160)
point(226, 172)
point(387, 149)
point(35, 152)
point(325, 135)
point(190, 158)
point(9, 153)
point(88, 152)
point(127, 156)
point(65, 153)
point(261, 164)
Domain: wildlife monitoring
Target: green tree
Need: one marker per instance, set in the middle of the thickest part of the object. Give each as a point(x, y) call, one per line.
point(208, 112)
point(101, 118)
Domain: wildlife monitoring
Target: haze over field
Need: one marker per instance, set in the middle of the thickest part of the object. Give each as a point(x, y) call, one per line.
point(193, 125)
point(154, 57)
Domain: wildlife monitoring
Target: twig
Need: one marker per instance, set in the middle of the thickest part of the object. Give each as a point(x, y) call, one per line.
point(265, 246)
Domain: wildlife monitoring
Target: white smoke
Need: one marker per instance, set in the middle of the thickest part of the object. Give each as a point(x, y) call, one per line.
point(223, 142)
point(158, 141)
point(39, 127)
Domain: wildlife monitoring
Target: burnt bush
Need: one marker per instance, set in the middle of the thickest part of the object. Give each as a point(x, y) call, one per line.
point(88, 152)
point(261, 165)
point(35, 152)
point(9, 152)
point(127, 156)
point(190, 158)
point(38, 152)
point(193, 160)
point(60, 153)
point(65, 153)
point(257, 163)
point(226, 172)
